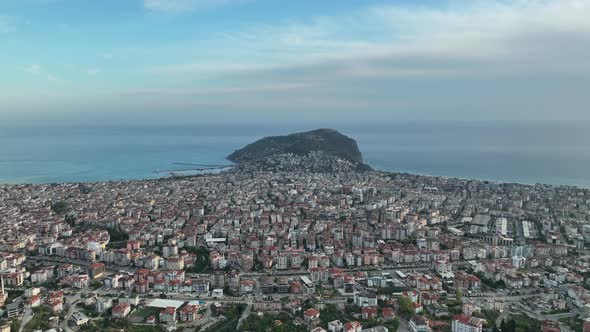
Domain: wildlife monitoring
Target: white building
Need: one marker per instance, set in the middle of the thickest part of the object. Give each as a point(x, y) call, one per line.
point(463, 323)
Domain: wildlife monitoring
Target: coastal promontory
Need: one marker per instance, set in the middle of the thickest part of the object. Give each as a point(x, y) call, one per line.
point(316, 150)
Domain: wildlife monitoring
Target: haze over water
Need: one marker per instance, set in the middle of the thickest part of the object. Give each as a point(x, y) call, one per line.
point(553, 154)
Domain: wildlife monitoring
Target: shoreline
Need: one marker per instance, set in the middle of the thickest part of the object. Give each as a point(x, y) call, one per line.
point(385, 172)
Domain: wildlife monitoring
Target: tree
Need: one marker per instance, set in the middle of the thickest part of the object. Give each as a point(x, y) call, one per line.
point(406, 307)
point(60, 207)
point(459, 296)
point(508, 326)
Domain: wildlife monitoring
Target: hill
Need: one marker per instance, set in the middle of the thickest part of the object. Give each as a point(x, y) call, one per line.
point(327, 143)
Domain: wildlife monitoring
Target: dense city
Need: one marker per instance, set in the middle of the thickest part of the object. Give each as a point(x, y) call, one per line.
point(294, 251)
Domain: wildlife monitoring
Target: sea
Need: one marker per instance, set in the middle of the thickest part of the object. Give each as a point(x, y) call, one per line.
point(524, 153)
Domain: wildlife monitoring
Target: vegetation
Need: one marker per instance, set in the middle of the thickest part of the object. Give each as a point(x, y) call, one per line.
point(145, 312)
point(489, 282)
point(13, 294)
point(575, 323)
point(101, 325)
point(116, 235)
point(390, 290)
point(59, 207)
point(15, 325)
point(51, 285)
point(325, 140)
point(40, 320)
point(265, 323)
point(331, 312)
point(202, 264)
point(520, 323)
point(406, 307)
point(489, 315)
point(88, 310)
point(231, 322)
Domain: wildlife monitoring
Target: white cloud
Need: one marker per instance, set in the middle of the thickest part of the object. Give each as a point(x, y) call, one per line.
point(53, 78)
point(38, 70)
point(33, 69)
point(401, 41)
point(503, 58)
point(93, 71)
point(469, 59)
point(7, 24)
point(177, 6)
point(218, 91)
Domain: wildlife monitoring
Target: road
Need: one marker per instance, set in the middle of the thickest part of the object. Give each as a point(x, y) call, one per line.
point(72, 302)
point(27, 316)
point(538, 316)
point(403, 326)
point(244, 315)
point(116, 268)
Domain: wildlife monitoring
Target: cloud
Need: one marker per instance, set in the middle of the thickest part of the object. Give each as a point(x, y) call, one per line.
point(38, 70)
point(33, 69)
point(7, 24)
point(93, 71)
point(178, 6)
point(475, 39)
point(490, 59)
point(217, 91)
point(53, 78)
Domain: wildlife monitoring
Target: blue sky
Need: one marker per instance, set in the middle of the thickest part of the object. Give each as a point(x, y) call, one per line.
point(256, 60)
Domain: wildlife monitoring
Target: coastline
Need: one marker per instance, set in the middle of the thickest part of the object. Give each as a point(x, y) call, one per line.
point(221, 172)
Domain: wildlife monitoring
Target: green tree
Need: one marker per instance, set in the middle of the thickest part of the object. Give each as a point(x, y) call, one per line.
point(459, 296)
point(406, 307)
point(60, 207)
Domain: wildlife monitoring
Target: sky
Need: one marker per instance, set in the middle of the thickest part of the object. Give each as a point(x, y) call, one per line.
point(166, 61)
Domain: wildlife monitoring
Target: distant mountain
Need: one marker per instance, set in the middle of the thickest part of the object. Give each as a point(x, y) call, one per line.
point(326, 142)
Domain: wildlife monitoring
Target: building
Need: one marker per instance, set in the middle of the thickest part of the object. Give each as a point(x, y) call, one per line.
point(34, 301)
point(365, 300)
point(335, 326)
point(217, 293)
point(550, 326)
point(13, 310)
point(311, 316)
point(419, 324)
point(463, 323)
point(30, 292)
point(189, 313)
point(168, 315)
point(78, 319)
point(121, 310)
point(318, 329)
point(103, 304)
point(3, 294)
point(56, 305)
point(130, 300)
point(96, 270)
point(387, 313)
point(354, 326)
point(308, 285)
point(376, 329)
point(369, 312)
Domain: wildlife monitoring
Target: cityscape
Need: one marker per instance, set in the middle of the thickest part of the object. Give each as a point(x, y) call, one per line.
point(294, 166)
point(295, 251)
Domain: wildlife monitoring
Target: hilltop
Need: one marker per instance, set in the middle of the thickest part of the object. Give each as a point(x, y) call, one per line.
point(316, 150)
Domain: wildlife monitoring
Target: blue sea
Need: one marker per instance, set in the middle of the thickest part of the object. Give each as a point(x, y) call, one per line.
point(553, 154)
